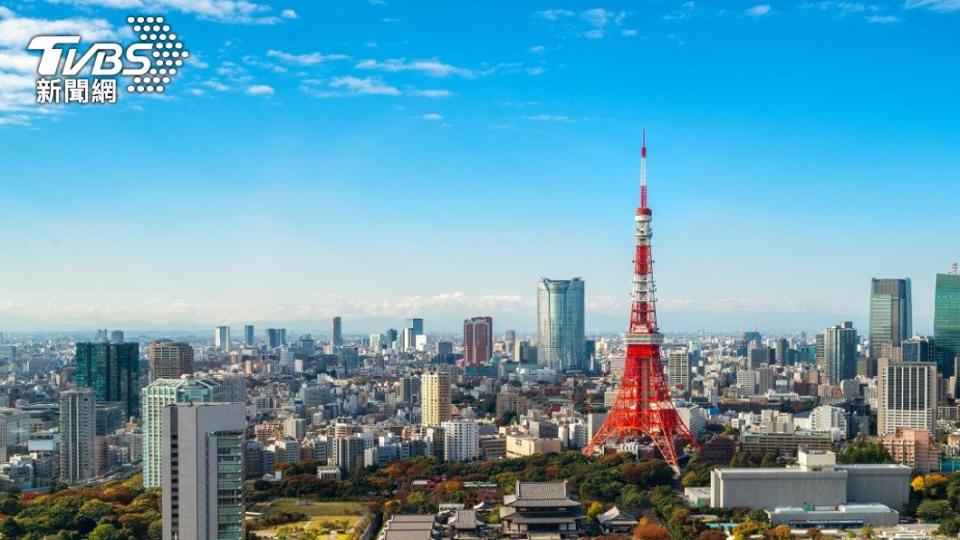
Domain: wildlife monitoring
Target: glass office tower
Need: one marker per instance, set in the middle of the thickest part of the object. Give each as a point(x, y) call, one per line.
point(560, 324)
point(946, 322)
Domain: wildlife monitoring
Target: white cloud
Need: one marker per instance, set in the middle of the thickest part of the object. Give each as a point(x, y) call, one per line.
point(550, 118)
point(390, 20)
point(378, 2)
point(596, 33)
point(684, 12)
point(597, 16)
point(225, 11)
point(935, 5)
point(196, 91)
point(758, 10)
point(289, 14)
point(554, 14)
point(628, 32)
point(351, 86)
point(537, 49)
point(307, 59)
point(431, 93)
point(882, 19)
point(536, 71)
point(434, 68)
point(432, 117)
point(215, 85)
point(260, 90)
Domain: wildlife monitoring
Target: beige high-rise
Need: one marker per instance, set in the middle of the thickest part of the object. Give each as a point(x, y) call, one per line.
point(435, 398)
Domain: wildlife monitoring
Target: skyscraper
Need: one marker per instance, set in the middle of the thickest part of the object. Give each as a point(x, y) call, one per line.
point(248, 335)
point(917, 349)
point(560, 324)
point(156, 396)
point(202, 483)
point(169, 359)
point(891, 315)
point(78, 424)
point(112, 370)
point(221, 338)
point(840, 352)
point(906, 396)
point(477, 340)
point(116, 336)
point(946, 322)
point(411, 329)
point(276, 337)
point(336, 333)
point(435, 398)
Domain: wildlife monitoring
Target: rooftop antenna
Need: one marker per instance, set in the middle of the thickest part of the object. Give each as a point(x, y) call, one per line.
point(643, 171)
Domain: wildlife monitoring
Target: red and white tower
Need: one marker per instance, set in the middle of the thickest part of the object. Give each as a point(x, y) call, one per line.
point(643, 408)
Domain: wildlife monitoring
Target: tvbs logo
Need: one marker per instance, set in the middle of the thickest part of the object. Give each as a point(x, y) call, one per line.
point(151, 63)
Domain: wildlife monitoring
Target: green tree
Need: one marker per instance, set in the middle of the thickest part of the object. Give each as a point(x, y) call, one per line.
point(106, 531)
point(933, 511)
point(595, 509)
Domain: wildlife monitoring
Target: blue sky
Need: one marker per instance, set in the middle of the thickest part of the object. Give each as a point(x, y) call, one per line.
point(387, 159)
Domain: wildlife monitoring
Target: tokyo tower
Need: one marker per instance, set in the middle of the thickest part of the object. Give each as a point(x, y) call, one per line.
point(643, 408)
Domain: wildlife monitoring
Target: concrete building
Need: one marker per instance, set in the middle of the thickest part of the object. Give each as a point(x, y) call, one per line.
point(435, 398)
point(816, 483)
point(202, 485)
point(169, 359)
point(678, 372)
point(477, 340)
point(915, 448)
point(891, 315)
point(78, 424)
point(526, 445)
point(461, 440)
point(840, 352)
point(906, 396)
point(156, 396)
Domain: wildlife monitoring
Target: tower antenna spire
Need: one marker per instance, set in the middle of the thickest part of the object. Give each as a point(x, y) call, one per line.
point(643, 171)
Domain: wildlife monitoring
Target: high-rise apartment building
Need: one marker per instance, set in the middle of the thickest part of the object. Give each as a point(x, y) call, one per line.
point(169, 359)
point(678, 372)
point(78, 424)
point(249, 337)
point(112, 370)
point(461, 440)
point(946, 322)
point(435, 398)
point(336, 332)
point(221, 338)
point(202, 476)
point(560, 324)
point(840, 352)
point(906, 396)
point(891, 315)
point(411, 329)
point(157, 395)
point(477, 340)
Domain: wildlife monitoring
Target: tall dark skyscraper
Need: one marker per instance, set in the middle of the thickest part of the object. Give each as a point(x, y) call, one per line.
point(477, 340)
point(891, 315)
point(248, 335)
point(336, 332)
point(946, 322)
point(112, 370)
point(276, 337)
point(840, 352)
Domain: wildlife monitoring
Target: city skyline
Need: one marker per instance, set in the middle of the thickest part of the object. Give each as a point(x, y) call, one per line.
point(404, 127)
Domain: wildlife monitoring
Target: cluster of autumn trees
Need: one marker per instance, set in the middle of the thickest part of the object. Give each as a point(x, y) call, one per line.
point(115, 511)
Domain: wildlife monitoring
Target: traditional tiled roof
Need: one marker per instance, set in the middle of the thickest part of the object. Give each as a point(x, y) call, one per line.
point(540, 494)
